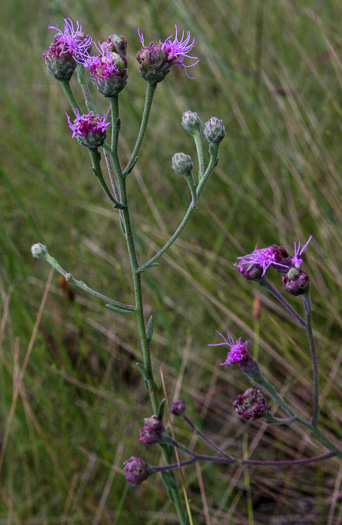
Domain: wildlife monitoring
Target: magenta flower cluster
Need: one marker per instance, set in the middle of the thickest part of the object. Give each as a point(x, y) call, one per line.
point(250, 405)
point(72, 41)
point(238, 350)
point(274, 256)
point(105, 64)
point(88, 123)
point(175, 50)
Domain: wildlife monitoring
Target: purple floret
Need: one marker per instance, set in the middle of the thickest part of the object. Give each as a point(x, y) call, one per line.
point(88, 123)
point(177, 50)
point(275, 256)
point(238, 351)
point(73, 41)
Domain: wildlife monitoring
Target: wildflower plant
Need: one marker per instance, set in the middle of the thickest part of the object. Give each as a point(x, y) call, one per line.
point(108, 69)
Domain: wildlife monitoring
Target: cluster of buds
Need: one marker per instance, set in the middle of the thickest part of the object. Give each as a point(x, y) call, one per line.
point(152, 431)
point(295, 279)
point(250, 405)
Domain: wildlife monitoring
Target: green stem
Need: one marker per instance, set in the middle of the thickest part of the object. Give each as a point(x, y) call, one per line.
point(192, 186)
point(114, 106)
point(189, 212)
point(68, 277)
point(266, 284)
point(70, 95)
point(256, 375)
point(308, 327)
point(95, 158)
point(81, 77)
point(200, 155)
point(139, 309)
point(150, 89)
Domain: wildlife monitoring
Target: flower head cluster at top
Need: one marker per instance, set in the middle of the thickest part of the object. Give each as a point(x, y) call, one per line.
point(72, 41)
point(156, 59)
point(238, 352)
point(275, 256)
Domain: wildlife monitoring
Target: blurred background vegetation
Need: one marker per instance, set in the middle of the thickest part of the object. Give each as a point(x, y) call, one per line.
point(271, 69)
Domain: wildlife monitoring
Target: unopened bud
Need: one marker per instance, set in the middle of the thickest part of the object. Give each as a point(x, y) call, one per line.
point(296, 282)
point(182, 164)
point(117, 43)
point(250, 272)
point(152, 430)
point(250, 405)
point(136, 471)
point(177, 408)
point(214, 130)
point(191, 122)
point(39, 250)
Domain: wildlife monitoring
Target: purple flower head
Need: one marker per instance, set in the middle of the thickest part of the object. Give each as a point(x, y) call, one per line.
point(108, 70)
point(296, 260)
point(156, 59)
point(275, 256)
point(136, 471)
point(238, 351)
point(177, 408)
point(250, 405)
point(152, 430)
point(74, 41)
point(89, 129)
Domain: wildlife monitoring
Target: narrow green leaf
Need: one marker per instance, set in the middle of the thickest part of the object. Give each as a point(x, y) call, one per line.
point(143, 371)
point(147, 267)
point(161, 409)
point(149, 329)
point(119, 308)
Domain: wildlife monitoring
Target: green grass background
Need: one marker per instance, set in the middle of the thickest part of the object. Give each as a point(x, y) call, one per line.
point(271, 69)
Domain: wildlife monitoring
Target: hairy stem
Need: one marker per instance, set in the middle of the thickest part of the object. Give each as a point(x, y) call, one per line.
point(308, 327)
point(190, 210)
point(266, 284)
point(68, 277)
point(95, 158)
point(205, 438)
point(139, 308)
point(82, 80)
point(70, 95)
point(150, 89)
point(200, 155)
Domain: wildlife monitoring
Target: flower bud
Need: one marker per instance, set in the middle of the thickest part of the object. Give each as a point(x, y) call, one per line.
point(89, 129)
point(108, 71)
point(282, 260)
point(153, 63)
point(117, 43)
point(296, 282)
point(152, 430)
point(251, 273)
point(136, 471)
point(214, 130)
point(182, 164)
point(177, 408)
point(191, 122)
point(39, 250)
point(250, 405)
point(59, 63)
